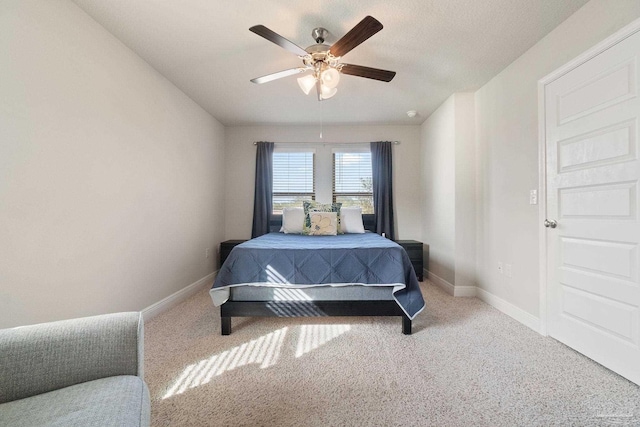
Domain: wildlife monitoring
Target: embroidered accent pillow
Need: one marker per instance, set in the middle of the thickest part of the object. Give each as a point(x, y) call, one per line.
point(323, 224)
point(313, 207)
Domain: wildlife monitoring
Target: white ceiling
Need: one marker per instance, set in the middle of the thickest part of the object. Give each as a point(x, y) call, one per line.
point(437, 47)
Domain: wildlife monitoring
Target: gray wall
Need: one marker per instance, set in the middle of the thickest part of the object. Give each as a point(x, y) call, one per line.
point(507, 147)
point(240, 158)
point(110, 177)
point(448, 179)
point(438, 135)
point(473, 222)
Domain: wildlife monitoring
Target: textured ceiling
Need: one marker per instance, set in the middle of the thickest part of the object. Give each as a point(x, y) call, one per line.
point(437, 47)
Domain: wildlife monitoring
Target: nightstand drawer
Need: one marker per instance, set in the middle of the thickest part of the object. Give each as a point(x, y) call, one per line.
point(414, 250)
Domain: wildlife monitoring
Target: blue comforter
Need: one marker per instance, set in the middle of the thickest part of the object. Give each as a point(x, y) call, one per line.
point(278, 259)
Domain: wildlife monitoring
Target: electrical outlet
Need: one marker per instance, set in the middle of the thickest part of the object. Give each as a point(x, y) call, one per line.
point(533, 197)
point(500, 269)
point(207, 253)
point(508, 270)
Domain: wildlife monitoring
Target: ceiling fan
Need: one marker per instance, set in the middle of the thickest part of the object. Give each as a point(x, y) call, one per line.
point(324, 60)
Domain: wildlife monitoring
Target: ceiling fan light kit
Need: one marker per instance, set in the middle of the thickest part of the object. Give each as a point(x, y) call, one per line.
point(330, 78)
point(326, 92)
point(323, 60)
point(307, 83)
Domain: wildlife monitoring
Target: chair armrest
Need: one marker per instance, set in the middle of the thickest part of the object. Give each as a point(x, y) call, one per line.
point(49, 356)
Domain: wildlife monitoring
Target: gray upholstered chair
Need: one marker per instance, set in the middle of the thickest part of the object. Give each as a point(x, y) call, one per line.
point(81, 372)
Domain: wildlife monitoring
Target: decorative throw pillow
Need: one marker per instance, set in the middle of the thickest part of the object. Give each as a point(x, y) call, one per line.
point(323, 224)
point(312, 207)
point(292, 220)
point(351, 220)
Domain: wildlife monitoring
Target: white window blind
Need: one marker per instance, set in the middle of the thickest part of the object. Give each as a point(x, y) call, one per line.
point(292, 179)
point(352, 180)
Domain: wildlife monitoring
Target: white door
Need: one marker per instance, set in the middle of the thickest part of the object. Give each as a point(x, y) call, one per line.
point(593, 292)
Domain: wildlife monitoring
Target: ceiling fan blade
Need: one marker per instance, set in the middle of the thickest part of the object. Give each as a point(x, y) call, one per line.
point(368, 72)
point(278, 75)
point(276, 38)
point(362, 31)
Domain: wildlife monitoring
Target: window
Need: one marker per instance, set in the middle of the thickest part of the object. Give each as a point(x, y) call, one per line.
point(352, 180)
point(292, 179)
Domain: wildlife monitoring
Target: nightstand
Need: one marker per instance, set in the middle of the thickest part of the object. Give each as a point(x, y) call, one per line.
point(225, 248)
point(414, 250)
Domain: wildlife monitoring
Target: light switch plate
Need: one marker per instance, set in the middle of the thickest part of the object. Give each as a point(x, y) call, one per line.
point(533, 197)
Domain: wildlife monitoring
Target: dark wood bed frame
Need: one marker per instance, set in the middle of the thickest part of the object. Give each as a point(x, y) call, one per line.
point(311, 308)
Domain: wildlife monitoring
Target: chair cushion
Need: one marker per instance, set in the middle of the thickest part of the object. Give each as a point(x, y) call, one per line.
point(113, 401)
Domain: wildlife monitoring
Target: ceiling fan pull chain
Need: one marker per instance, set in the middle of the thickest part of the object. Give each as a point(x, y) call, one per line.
point(321, 118)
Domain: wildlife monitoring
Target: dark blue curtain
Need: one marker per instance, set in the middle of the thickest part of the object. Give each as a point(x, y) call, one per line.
point(262, 201)
point(381, 167)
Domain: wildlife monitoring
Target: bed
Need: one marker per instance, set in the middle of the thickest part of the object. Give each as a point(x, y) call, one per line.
point(292, 275)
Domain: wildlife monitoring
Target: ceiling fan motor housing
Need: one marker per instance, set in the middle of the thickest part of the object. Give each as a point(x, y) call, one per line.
point(319, 54)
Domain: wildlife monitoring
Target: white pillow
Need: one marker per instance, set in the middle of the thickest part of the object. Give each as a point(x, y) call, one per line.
point(292, 220)
point(351, 220)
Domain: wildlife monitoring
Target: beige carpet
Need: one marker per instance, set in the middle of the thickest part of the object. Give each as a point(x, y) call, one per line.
point(466, 364)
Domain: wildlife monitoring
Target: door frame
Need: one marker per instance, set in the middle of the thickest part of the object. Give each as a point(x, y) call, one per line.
point(607, 43)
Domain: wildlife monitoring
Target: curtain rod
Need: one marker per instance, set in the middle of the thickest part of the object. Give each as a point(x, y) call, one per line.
point(326, 143)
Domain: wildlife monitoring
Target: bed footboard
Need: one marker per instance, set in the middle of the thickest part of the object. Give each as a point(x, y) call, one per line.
point(310, 309)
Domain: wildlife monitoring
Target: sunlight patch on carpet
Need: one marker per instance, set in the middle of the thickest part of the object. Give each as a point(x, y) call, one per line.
point(314, 336)
point(263, 351)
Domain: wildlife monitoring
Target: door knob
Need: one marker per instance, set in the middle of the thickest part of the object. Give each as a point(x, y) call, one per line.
point(552, 223)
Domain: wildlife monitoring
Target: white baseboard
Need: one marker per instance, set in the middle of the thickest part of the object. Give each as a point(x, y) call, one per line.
point(465, 291)
point(440, 282)
point(509, 309)
point(177, 297)
point(456, 291)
